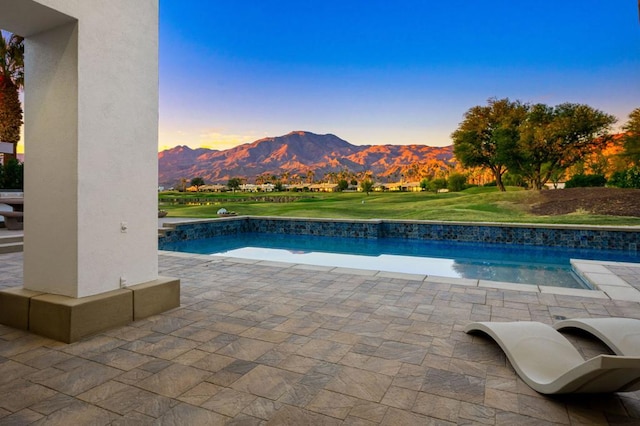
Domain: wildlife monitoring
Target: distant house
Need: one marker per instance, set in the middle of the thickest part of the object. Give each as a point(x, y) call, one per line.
point(214, 188)
point(323, 187)
point(403, 186)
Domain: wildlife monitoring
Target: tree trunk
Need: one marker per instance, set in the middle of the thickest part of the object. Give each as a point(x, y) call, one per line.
point(497, 173)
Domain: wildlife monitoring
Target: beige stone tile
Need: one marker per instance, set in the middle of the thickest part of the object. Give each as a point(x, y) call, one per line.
point(369, 411)
point(400, 398)
point(262, 408)
point(121, 359)
point(301, 326)
point(324, 350)
point(605, 279)
point(167, 347)
point(267, 382)
point(22, 417)
point(266, 335)
point(332, 404)
point(502, 383)
point(21, 394)
point(246, 349)
point(196, 333)
point(22, 343)
point(200, 393)
point(454, 385)
point(403, 352)
point(543, 408)
point(86, 376)
point(298, 364)
point(437, 406)
point(185, 414)
point(294, 416)
point(228, 402)
point(79, 413)
point(11, 370)
point(476, 413)
point(191, 357)
point(174, 380)
point(134, 376)
point(41, 357)
point(621, 293)
point(360, 384)
point(396, 417)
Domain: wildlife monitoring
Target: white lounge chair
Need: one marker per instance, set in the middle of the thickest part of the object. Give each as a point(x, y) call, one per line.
point(621, 335)
point(550, 364)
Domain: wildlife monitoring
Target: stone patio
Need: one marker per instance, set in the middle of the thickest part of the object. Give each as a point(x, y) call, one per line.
point(258, 343)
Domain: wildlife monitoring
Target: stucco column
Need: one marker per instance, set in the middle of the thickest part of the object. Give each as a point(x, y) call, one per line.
point(91, 172)
point(91, 131)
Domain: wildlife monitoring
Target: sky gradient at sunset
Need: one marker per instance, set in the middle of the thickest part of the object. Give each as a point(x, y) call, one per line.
point(377, 72)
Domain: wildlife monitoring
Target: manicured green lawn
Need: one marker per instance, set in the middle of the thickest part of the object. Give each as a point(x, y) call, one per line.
point(475, 204)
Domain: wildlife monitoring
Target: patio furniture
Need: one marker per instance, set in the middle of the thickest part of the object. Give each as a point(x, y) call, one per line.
point(547, 362)
point(13, 220)
point(621, 335)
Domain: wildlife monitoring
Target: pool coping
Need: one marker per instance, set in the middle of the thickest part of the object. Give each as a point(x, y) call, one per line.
point(169, 222)
point(608, 285)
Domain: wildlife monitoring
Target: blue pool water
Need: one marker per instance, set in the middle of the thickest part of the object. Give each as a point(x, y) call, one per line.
point(494, 262)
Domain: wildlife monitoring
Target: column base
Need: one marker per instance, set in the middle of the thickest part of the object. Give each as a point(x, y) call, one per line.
point(68, 319)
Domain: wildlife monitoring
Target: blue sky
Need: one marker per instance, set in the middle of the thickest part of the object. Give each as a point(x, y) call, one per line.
point(378, 72)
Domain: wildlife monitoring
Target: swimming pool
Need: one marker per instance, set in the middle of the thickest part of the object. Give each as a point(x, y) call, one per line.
point(487, 261)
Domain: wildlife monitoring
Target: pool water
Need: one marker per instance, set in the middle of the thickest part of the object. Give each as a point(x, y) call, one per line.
point(495, 262)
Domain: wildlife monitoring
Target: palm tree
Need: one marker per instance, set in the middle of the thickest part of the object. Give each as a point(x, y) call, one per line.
point(11, 81)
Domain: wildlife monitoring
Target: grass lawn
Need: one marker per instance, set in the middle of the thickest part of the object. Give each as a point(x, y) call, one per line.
point(473, 205)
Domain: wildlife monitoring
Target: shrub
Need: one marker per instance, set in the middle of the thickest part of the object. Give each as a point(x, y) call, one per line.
point(629, 178)
point(456, 182)
point(585, 181)
point(12, 175)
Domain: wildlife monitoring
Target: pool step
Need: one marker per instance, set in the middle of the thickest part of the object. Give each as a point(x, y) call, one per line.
point(11, 244)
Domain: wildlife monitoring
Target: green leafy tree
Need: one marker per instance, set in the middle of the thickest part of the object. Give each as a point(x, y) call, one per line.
point(197, 182)
point(632, 137)
point(11, 81)
point(486, 133)
point(456, 182)
point(424, 184)
point(343, 184)
point(366, 185)
point(551, 139)
point(437, 184)
point(234, 184)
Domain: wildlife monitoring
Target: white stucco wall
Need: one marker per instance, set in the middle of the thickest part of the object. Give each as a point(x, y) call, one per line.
point(91, 132)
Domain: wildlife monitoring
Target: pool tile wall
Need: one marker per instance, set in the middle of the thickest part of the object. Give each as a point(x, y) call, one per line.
point(607, 238)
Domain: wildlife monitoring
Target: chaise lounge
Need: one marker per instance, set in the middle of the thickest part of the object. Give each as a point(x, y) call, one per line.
point(621, 335)
point(550, 364)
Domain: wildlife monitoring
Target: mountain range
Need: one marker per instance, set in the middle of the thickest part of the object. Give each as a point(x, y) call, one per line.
point(300, 154)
